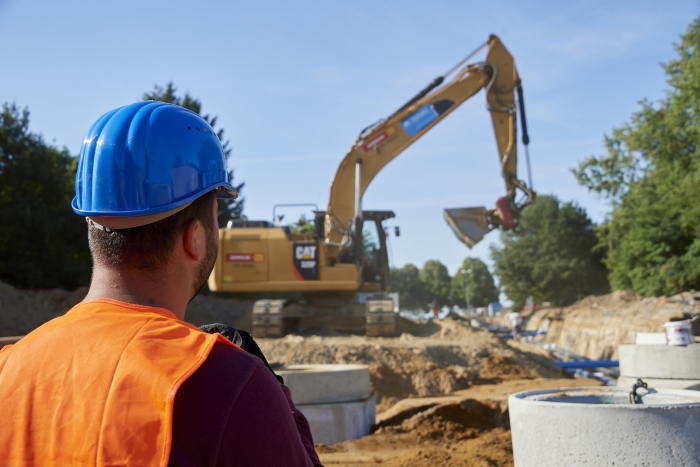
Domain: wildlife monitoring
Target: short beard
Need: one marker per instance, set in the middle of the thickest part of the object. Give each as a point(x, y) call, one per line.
point(206, 266)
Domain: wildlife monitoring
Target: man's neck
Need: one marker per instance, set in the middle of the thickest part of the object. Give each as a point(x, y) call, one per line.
point(161, 290)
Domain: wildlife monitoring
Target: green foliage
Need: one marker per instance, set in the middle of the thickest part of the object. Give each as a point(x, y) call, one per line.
point(651, 173)
point(228, 209)
point(482, 289)
point(437, 281)
point(550, 256)
point(417, 288)
point(42, 242)
point(302, 226)
point(413, 293)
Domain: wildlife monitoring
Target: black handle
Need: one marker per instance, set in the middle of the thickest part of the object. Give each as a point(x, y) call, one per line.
point(523, 121)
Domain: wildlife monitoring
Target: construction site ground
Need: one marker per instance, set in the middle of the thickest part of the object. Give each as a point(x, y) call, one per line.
point(597, 325)
point(441, 389)
point(441, 386)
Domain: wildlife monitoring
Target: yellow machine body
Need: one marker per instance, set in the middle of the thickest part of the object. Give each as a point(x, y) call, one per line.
point(329, 266)
point(262, 260)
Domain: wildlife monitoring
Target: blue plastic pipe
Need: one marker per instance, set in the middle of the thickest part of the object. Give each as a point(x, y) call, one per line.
point(523, 334)
point(588, 374)
point(588, 364)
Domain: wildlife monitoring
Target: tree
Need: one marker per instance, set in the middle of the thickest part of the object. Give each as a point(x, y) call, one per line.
point(550, 255)
point(482, 289)
point(437, 281)
point(228, 209)
point(42, 241)
point(302, 226)
point(412, 291)
point(651, 175)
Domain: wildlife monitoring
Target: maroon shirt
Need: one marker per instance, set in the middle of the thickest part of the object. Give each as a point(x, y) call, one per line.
point(233, 412)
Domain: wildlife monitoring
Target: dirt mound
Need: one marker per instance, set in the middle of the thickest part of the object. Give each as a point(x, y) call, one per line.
point(21, 311)
point(390, 385)
point(457, 421)
point(466, 428)
point(425, 329)
point(498, 368)
point(595, 326)
point(467, 432)
point(450, 357)
point(207, 309)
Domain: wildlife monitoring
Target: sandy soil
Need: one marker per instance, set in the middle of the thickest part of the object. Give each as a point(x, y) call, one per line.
point(466, 428)
point(21, 311)
point(430, 359)
point(596, 326)
point(442, 390)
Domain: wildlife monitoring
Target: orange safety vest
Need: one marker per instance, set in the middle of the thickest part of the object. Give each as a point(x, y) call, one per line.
point(96, 386)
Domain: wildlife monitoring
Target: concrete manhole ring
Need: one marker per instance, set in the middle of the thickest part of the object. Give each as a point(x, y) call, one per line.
point(322, 384)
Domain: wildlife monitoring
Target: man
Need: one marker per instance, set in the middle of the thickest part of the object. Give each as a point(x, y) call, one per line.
point(515, 320)
point(121, 379)
point(434, 308)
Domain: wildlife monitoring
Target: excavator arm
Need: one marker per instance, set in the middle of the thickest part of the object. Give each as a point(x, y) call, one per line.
point(380, 143)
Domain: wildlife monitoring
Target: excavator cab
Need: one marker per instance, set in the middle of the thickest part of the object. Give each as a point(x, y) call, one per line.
point(374, 258)
point(371, 253)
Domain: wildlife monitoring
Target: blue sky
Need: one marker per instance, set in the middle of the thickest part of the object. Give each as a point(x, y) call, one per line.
point(293, 83)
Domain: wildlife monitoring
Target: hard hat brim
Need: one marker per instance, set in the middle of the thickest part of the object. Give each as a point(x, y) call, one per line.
point(119, 223)
point(224, 190)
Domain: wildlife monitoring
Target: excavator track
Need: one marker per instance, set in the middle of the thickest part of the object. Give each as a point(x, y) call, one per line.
point(267, 318)
point(276, 318)
point(381, 319)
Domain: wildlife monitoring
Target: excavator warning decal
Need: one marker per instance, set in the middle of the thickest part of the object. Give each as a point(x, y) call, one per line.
point(424, 116)
point(380, 138)
point(245, 257)
point(305, 266)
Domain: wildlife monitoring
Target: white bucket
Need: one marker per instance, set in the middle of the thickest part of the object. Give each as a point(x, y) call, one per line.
point(678, 333)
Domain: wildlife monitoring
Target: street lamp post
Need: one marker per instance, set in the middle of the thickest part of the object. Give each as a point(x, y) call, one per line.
point(466, 273)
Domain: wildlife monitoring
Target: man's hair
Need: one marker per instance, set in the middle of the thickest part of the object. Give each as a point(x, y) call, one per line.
point(147, 248)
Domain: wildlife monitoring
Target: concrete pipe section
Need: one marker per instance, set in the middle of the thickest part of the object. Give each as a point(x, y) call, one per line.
point(600, 426)
point(335, 399)
point(660, 366)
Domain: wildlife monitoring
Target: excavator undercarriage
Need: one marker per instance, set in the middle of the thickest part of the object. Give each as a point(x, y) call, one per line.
point(277, 318)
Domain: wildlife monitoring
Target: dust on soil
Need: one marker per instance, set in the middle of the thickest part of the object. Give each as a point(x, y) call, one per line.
point(426, 359)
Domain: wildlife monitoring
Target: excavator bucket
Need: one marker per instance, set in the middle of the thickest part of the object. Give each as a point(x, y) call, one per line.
point(469, 224)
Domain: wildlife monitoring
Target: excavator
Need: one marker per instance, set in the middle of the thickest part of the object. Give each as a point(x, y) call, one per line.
point(322, 271)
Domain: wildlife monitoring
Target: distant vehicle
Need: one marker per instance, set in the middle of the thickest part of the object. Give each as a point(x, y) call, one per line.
point(494, 308)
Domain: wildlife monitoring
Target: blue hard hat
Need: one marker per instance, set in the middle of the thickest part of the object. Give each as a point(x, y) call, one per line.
point(148, 158)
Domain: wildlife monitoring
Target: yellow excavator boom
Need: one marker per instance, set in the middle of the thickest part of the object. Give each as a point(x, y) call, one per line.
point(377, 145)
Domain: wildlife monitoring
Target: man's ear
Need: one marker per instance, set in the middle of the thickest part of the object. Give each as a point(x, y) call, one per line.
point(192, 243)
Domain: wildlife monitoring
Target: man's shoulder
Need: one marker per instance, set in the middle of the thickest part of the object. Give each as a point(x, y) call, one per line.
point(225, 357)
point(221, 377)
